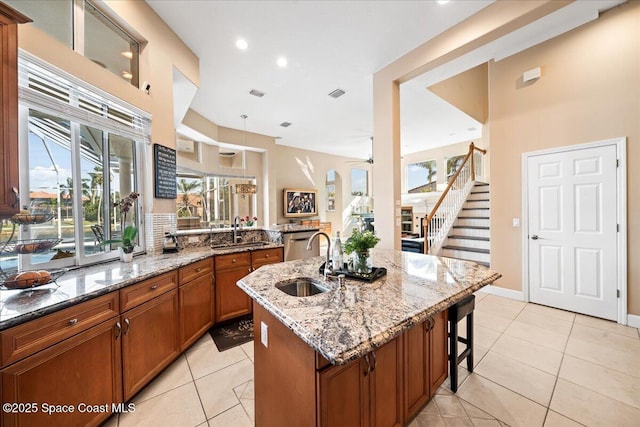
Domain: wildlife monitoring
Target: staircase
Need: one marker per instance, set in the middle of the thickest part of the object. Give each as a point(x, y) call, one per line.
point(469, 235)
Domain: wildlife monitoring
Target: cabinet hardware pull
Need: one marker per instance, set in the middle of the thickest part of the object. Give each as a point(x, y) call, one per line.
point(366, 359)
point(126, 322)
point(73, 322)
point(16, 201)
point(266, 256)
point(198, 270)
point(213, 279)
point(154, 287)
point(119, 328)
point(375, 362)
point(233, 260)
point(249, 269)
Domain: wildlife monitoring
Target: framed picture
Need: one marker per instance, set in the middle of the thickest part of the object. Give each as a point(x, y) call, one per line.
point(298, 202)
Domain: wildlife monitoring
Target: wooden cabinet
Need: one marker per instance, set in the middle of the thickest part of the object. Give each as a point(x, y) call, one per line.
point(231, 301)
point(425, 362)
point(83, 369)
point(406, 219)
point(149, 340)
point(366, 392)
point(9, 173)
point(196, 299)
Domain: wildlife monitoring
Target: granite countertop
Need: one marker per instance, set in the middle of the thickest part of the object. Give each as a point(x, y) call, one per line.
point(84, 283)
point(343, 325)
point(292, 228)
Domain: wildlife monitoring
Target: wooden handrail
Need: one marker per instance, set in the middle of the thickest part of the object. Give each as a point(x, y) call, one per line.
point(431, 214)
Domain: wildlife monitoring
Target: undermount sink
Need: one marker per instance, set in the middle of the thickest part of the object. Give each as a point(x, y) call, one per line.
point(239, 245)
point(302, 287)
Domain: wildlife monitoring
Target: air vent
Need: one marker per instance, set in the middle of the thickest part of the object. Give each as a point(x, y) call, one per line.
point(337, 93)
point(257, 93)
point(285, 124)
point(226, 154)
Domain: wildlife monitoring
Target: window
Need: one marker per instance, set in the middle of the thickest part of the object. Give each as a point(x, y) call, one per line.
point(81, 149)
point(206, 201)
point(96, 36)
point(331, 190)
point(359, 182)
point(422, 177)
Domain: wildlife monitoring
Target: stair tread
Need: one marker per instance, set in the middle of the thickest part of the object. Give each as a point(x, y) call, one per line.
point(465, 249)
point(473, 227)
point(478, 200)
point(480, 192)
point(473, 217)
point(483, 239)
point(474, 209)
point(480, 184)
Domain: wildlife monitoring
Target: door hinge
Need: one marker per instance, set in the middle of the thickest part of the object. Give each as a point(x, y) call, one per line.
point(618, 228)
point(617, 163)
point(618, 293)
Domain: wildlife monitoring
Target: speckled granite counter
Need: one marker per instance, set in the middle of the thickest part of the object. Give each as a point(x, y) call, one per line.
point(345, 325)
point(84, 283)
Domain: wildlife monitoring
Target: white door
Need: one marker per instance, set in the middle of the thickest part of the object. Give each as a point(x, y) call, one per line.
point(572, 230)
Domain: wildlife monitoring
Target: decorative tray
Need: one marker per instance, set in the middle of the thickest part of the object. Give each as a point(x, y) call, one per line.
point(29, 246)
point(376, 273)
point(31, 279)
point(31, 218)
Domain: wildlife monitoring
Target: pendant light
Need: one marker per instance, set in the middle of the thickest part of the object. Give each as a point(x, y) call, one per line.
point(245, 188)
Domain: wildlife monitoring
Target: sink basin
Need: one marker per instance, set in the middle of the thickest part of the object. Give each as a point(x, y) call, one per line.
point(239, 245)
point(302, 287)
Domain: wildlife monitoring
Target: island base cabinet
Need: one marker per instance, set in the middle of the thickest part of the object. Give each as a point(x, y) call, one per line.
point(149, 340)
point(366, 392)
point(82, 373)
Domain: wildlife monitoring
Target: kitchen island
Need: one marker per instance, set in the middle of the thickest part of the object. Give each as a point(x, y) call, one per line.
point(367, 354)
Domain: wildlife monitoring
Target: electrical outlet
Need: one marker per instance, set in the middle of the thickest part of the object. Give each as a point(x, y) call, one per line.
point(264, 334)
point(516, 222)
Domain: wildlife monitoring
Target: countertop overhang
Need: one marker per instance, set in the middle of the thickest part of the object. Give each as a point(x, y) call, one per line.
point(343, 325)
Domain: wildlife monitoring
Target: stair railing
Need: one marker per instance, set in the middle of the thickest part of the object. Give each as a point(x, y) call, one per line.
point(446, 210)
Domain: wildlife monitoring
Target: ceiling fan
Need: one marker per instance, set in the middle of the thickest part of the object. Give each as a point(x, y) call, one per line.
point(369, 160)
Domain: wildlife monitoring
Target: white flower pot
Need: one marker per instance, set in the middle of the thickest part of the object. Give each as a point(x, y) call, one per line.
point(125, 257)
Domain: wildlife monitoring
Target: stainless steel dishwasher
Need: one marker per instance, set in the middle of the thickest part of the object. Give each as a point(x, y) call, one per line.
point(295, 245)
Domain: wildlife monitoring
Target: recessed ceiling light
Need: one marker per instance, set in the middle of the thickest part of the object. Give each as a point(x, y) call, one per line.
point(242, 44)
point(127, 75)
point(282, 62)
point(127, 54)
point(443, 1)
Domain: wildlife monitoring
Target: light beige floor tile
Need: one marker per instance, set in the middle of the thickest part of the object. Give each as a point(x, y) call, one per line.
point(556, 420)
point(431, 408)
point(607, 325)
point(178, 407)
point(112, 421)
point(429, 420)
point(491, 321)
point(248, 349)
point(445, 388)
point(501, 403)
point(475, 412)
point(235, 417)
point(621, 361)
point(481, 422)
point(523, 379)
point(505, 301)
point(608, 382)
point(176, 375)
point(537, 335)
point(204, 340)
point(528, 353)
point(485, 337)
point(590, 408)
point(544, 321)
point(449, 406)
point(480, 295)
point(246, 395)
point(457, 421)
point(605, 338)
point(550, 311)
point(503, 310)
point(216, 389)
point(204, 424)
point(207, 359)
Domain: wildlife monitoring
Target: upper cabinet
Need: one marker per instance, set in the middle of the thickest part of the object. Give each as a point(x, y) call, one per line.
point(9, 20)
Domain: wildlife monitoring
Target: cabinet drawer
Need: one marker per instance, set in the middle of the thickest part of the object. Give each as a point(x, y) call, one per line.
point(233, 260)
point(135, 295)
point(195, 270)
point(28, 338)
point(266, 256)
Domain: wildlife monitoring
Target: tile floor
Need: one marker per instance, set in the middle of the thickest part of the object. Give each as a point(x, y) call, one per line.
point(534, 366)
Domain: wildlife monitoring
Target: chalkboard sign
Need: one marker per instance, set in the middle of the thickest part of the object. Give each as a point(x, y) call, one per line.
point(164, 159)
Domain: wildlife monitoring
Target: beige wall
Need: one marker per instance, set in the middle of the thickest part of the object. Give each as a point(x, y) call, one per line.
point(468, 91)
point(589, 91)
point(162, 52)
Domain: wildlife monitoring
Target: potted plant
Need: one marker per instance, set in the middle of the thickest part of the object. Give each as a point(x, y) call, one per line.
point(129, 232)
point(251, 221)
point(359, 244)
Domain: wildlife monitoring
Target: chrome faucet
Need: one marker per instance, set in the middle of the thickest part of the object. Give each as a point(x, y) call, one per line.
point(236, 238)
point(328, 268)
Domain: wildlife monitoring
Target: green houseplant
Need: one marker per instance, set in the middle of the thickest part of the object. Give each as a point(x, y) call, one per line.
point(359, 244)
point(129, 232)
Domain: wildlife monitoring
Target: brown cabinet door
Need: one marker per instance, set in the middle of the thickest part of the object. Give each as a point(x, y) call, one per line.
point(438, 361)
point(231, 301)
point(343, 395)
point(416, 369)
point(266, 256)
point(149, 340)
point(82, 370)
point(386, 385)
point(196, 309)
